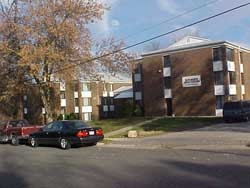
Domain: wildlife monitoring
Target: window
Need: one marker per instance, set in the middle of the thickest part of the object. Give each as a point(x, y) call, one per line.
point(76, 87)
point(138, 68)
point(167, 82)
point(241, 57)
point(111, 100)
point(63, 110)
point(137, 86)
point(76, 101)
point(219, 102)
point(167, 61)
point(54, 126)
point(232, 78)
point(87, 116)
point(105, 101)
point(218, 78)
point(217, 55)
point(242, 79)
point(230, 54)
point(86, 86)
point(62, 95)
point(86, 102)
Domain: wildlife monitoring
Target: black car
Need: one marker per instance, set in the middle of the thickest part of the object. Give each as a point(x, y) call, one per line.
point(66, 133)
point(236, 111)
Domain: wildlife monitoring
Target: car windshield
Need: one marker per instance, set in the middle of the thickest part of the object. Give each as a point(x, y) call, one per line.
point(2, 123)
point(232, 105)
point(75, 124)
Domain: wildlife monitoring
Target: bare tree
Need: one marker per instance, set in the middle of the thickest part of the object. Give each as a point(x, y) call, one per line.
point(51, 40)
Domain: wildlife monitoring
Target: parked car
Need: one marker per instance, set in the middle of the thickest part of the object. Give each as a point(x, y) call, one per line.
point(16, 131)
point(236, 111)
point(66, 133)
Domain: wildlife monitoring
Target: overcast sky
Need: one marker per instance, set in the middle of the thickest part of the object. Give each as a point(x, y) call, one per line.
point(128, 19)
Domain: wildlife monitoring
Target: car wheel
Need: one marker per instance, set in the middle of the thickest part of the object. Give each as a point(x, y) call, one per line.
point(247, 118)
point(4, 139)
point(14, 141)
point(33, 142)
point(64, 143)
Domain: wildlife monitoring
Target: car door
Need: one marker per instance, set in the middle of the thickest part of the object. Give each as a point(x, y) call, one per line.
point(55, 133)
point(44, 135)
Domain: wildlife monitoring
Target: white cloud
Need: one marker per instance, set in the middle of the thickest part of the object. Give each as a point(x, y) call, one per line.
point(168, 5)
point(115, 23)
point(104, 26)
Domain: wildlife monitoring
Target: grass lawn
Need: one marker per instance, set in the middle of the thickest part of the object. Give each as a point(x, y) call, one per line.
point(158, 126)
point(109, 125)
point(178, 124)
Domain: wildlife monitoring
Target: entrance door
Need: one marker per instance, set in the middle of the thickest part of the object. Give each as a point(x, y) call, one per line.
point(169, 107)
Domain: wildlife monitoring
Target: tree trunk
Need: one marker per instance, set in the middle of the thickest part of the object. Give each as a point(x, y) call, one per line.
point(45, 95)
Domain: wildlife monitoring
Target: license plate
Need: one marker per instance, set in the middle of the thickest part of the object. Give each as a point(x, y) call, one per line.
point(91, 132)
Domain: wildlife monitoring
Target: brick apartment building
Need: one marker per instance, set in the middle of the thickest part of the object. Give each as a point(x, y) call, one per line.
point(193, 77)
point(87, 100)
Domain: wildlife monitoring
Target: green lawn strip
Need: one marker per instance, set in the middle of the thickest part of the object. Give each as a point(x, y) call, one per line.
point(109, 125)
point(178, 124)
point(171, 125)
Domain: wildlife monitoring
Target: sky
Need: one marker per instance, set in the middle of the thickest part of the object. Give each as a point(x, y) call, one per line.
point(137, 20)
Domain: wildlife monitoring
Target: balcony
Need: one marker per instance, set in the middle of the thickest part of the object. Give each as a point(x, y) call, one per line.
point(105, 108)
point(105, 94)
point(112, 108)
point(166, 72)
point(75, 94)
point(76, 109)
point(86, 109)
point(111, 94)
point(230, 66)
point(243, 90)
point(241, 68)
point(219, 90)
point(167, 93)
point(217, 66)
point(63, 102)
point(62, 86)
point(232, 89)
point(86, 94)
point(219, 112)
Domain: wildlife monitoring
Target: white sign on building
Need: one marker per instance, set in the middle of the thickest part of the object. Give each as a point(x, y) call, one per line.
point(191, 81)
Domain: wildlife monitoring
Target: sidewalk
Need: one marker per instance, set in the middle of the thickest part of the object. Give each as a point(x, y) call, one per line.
point(195, 140)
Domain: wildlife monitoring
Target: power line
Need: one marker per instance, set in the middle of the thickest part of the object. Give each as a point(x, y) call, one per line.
point(153, 38)
point(156, 37)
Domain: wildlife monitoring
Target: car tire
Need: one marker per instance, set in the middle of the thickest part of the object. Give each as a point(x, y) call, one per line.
point(64, 143)
point(14, 141)
point(247, 119)
point(33, 142)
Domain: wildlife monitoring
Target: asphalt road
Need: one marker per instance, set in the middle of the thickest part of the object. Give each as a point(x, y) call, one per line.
point(216, 137)
point(109, 167)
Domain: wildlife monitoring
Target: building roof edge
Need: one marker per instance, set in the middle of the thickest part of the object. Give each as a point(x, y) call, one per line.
point(195, 46)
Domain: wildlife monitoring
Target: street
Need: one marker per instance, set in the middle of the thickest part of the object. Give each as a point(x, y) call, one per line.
point(98, 166)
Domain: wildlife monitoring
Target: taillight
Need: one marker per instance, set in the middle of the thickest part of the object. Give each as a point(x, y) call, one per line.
point(80, 134)
point(99, 132)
